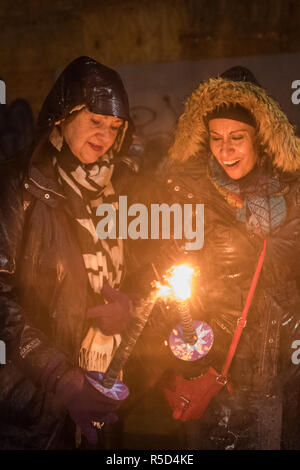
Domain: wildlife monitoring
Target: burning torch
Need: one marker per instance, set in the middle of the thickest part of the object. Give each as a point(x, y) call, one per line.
point(190, 340)
point(109, 383)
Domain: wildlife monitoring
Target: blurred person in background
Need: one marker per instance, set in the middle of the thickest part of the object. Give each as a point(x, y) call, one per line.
point(16, 127)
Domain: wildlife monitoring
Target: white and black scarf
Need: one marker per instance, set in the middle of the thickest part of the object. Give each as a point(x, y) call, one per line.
point(85, 188)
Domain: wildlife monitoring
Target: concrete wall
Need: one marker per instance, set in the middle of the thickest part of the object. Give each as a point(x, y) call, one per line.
point(39, 37)
point(157, 91)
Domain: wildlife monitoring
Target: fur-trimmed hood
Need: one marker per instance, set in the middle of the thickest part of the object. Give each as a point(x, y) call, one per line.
point(275, 131)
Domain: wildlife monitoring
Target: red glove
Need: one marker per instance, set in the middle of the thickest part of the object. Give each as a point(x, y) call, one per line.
point(113, 317)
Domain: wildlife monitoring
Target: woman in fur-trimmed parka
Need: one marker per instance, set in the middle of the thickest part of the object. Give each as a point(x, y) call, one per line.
point(235, 152)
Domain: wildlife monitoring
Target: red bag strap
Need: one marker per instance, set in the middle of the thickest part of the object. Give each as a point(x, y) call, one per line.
point(243, 319)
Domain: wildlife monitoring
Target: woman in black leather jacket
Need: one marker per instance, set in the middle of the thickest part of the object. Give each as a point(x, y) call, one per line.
point(236, 153)
point(55, 271)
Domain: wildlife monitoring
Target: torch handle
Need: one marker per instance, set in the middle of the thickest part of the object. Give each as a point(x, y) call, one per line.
point(186, 322)
point(129, 340)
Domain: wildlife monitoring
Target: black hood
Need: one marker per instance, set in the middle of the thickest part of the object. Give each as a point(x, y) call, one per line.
point(85, 82)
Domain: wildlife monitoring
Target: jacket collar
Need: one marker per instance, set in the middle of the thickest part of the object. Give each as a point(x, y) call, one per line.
point(41, 180)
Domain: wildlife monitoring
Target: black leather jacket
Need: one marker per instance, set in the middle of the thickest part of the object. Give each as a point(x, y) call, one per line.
point(43, 297)
point(262, 366)
point(227, 263)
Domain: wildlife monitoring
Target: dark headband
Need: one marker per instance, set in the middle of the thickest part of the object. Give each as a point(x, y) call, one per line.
point(235, 112)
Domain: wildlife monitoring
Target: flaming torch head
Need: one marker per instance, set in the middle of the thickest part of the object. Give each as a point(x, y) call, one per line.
point(180, 280)
point(178, 289)
point(178, 283)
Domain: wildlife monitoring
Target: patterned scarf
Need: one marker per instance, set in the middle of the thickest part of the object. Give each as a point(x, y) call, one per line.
point(258, 196)
point(85, 187)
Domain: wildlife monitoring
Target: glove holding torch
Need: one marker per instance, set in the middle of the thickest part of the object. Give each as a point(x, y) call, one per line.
point(72, 387)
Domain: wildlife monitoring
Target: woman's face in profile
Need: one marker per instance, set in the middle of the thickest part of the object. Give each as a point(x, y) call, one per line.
point(233, 143)
point(90, 135)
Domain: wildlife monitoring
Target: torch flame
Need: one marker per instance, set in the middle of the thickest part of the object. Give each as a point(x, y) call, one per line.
point(162, 290)
point(179, 279)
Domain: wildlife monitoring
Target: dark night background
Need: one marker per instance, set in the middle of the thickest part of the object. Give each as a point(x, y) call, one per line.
point(162, 48)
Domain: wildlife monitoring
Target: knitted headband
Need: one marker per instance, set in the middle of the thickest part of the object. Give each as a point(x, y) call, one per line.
point(235, 112)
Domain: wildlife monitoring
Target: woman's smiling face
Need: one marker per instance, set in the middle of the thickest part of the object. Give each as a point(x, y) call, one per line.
point(233, 143)
point(90, 135)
